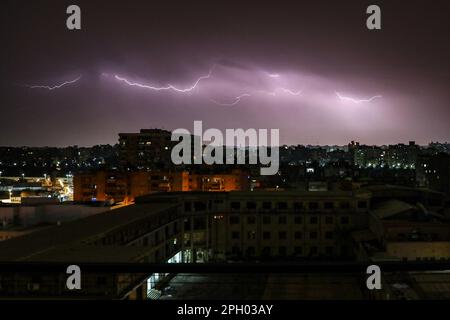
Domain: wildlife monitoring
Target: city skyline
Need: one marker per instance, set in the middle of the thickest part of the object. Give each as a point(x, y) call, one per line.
point(204, 151)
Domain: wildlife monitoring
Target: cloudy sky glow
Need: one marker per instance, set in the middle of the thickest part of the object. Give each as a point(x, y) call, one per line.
point(312, 70)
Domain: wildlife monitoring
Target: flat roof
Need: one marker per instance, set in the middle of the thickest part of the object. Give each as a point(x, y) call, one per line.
point(74, 233)
point(255, 194)
point(91, 254)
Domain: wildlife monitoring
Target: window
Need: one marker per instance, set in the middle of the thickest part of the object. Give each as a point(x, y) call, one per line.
point(251, 251)
point(329, 220)
point(235, 205)
point(282, 251)
point(282, 220)
point(235, 235)
point(298, 220)
point(251, 205)
point(282, 205)
point(362, 204)
point(329, 251)
point(328, 205)
point(266, 220)
point(345, 205)
point(313, 235)
point(298, 206)
point(267, 205)
point(345, 220)
point(282, 235)
point(234, 220)
point(251, 220)
point(187, 224)
point(313, 220)
point(329, 235)
point(313, 206)
point(298, 235)
point(266, 235)
point(199, 223)
point(313, 250)
point(298, 250)
point(251, 235)
point(199, 206)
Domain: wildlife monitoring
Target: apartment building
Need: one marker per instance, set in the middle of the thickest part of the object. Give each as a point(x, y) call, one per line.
point(125, 186)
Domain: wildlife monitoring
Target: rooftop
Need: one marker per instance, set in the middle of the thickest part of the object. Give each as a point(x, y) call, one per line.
point(69, 235)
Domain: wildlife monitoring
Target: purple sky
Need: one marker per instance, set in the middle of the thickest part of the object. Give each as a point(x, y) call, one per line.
point(296, 66)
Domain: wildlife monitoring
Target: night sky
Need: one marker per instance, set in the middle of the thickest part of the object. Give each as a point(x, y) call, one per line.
point(310, 68)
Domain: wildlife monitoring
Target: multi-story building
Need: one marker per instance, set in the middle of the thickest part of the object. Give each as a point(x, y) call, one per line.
point(401, 155)
point(240, 225)
point(101, 186)
point(398, 156)
point(125, 186)
point(212, 227)
point(150, 148)
point(433, 171)
point(403, 231)
point(102, 237)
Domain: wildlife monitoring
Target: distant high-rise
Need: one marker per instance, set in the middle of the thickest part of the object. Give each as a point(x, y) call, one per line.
point(433, 171)
point(150, 148)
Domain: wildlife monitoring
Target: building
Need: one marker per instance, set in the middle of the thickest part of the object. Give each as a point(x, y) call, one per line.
point(433, 171)
point(148, 149)
point(111, 186)
point(29, 215)
point(114, 186)
point(219, 227)
point(246, 225)
point(401, 231)
point(405, 224)
point(108, 236)
point(398, 156)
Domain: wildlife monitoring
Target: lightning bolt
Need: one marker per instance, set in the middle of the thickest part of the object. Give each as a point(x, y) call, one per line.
point(284, 90)
point(343, 98)
point(272, 93)
point(273, 75)
point(55, 86)
point(169, 86)
point(235, 102)
point(294, 93)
